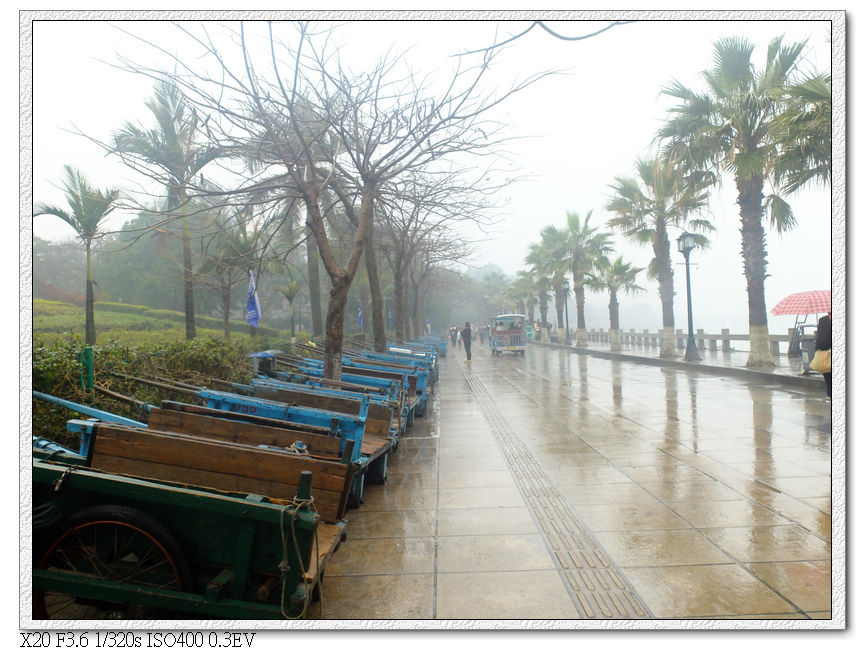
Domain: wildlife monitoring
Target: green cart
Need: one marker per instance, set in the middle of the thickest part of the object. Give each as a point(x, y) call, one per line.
point(113, 546)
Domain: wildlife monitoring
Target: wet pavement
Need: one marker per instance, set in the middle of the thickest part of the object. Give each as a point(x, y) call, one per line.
point(564, 486)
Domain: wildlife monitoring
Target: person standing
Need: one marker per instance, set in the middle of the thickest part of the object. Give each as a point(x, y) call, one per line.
point(823, 341)
point(467, 341)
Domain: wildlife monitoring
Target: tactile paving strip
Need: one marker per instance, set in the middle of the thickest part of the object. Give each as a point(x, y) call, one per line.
point(597, 588)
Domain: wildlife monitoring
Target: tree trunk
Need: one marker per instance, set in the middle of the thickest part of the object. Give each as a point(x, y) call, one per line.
point(580, 296)
point(400, 303)
point(89, 321)
point(754, 256)
point(340, 279)
point(226, 310)
point(661, 246)
point(614, 311)
point(379, 337)
point(188, 296)
point(542, 306)
point(560, 307)
point(334, 328)
point(314, 286)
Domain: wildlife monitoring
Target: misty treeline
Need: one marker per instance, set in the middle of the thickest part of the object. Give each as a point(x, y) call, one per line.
point(768, 128)
point(344, 191)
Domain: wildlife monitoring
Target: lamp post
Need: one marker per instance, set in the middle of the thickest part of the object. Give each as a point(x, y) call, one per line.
point(686, 243)
point(566, 289)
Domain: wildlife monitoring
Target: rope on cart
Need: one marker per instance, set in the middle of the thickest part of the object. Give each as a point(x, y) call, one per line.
point(295, 505)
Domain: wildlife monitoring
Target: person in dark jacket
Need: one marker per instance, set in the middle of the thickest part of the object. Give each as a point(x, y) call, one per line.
point(823, 341)
point(467, 341)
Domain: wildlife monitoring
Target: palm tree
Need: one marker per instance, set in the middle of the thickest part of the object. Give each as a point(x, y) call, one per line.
point(88, 208)
point(584, 246)
point(555, 264)
point(730, 128)
point(536, 259)
point(646, 208)
point(805, 132)
point(290, 293)
point(172, 148)
point(615, 277)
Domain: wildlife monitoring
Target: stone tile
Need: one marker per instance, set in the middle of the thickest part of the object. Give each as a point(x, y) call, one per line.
point(565, 474)
point(479, 478)
point(482, 453)
point(363, 524)
point(769, 543)
point(679, 491)
point(593, 494)
point(823, 504)
point(382, 557)
point(807, 584)
point(378, 597)
point(723, 514)
point(469, 553)
point(503, 595)
point(485, 521)
point(472, 464)
point(482, 497)
point(630, 516)
point(394, 498)
point(664, 472)
point(690, 591)
point(659, 548)
point(406, 479)
point(814, 486)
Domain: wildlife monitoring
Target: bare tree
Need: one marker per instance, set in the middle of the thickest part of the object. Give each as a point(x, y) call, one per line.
point(310, 125)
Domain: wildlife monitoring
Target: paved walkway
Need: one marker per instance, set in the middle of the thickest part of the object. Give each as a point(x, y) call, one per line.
point(562, 486)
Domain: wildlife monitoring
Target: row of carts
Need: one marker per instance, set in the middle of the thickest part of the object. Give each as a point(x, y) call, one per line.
point(224, 505)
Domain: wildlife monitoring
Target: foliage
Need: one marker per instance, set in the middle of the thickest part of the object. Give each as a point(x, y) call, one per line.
point(57, 372)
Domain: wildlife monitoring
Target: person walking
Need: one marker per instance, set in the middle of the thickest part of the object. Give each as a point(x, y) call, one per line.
point(467, 341)
point(823, 341)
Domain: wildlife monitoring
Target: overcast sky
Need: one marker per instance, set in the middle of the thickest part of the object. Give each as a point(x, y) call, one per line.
point(582, 129)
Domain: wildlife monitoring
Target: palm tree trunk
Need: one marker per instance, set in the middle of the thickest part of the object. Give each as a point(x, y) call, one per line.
point(615, 331)
point(661, 246)
point(754, 256)
point(580, 295)
point(89, 321)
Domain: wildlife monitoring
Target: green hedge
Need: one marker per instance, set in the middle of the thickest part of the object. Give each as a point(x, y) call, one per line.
point(57, 371)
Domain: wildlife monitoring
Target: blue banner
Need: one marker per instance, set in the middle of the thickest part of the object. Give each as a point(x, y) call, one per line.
point(253, 307)
point(359, 315)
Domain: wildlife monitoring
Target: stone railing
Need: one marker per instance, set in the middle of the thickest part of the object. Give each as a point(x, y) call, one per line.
point(711, 342)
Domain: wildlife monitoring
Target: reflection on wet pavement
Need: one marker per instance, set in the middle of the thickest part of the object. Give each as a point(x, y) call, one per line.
point(559, 486)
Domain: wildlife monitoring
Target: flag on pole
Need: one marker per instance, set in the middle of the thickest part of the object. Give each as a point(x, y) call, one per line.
point(359, 315)
point(253, 307)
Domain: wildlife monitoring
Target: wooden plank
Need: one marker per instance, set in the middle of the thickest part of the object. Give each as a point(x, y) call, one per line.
point(237, 431)
point(329, 537)
point(244, 417)
point(225, 466)
point(302, 398)
point(378, 416)
point(374, 445)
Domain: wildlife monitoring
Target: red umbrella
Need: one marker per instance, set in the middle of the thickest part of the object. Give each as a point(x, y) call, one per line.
point(804, 302)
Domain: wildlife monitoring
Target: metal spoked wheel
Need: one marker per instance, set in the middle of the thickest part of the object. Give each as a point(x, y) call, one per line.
point(112, 543)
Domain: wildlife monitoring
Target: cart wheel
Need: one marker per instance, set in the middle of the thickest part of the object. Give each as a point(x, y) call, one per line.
point(115, 543)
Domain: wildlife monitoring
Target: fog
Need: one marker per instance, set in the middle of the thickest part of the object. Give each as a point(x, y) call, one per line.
point(577, 130)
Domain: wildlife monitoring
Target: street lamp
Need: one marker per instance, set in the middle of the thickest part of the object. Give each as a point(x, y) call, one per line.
point(686, 243)
point(566, 289)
